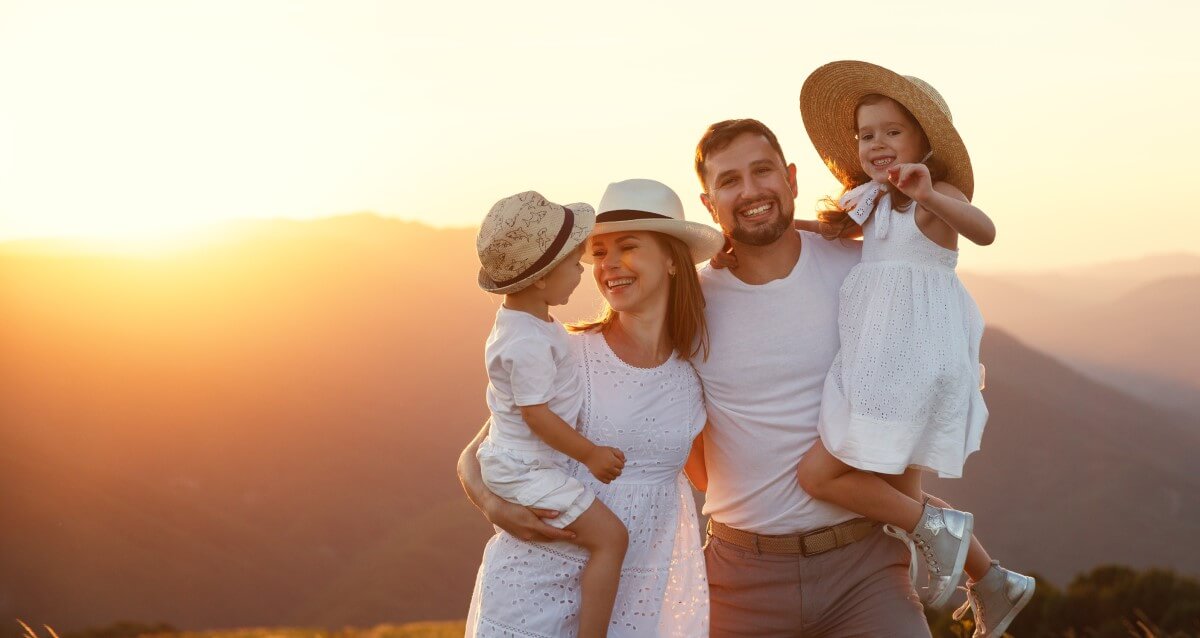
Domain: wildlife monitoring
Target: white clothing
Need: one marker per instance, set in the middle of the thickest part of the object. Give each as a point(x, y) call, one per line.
point(534, 479)
point(530, 362)
point(904, 389)
point(532, 589)
point(772, 345)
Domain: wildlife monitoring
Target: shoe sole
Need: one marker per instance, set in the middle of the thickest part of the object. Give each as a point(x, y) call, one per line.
point(959, 562)
point(1012, 613)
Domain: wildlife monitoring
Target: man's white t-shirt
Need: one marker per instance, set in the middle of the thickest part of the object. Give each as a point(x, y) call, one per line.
point(771, 347)
point(529, 362)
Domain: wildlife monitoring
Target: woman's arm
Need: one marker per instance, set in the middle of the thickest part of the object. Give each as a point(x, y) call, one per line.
point(522, 522)
point(694, 467)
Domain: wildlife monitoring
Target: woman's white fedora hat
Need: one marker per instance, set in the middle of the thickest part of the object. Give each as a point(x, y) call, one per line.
point(648, 205)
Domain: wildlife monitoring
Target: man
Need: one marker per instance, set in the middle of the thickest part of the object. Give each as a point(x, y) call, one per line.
point(780, 563)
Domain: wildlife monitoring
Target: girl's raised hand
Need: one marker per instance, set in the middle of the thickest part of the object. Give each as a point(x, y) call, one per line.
point(912, 180)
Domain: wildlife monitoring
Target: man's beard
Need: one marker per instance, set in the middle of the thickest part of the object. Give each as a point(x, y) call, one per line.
point(762, 235)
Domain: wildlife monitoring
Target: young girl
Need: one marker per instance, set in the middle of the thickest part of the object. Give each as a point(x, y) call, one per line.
point(529, 250)
point(903, 393)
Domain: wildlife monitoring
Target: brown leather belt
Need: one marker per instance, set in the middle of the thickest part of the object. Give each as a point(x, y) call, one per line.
point(806, 544)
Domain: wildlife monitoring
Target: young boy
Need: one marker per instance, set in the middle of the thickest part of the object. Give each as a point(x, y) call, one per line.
point(529, 250)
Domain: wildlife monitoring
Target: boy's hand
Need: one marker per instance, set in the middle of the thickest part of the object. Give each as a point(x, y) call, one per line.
point(912, 180)
point(605, 463)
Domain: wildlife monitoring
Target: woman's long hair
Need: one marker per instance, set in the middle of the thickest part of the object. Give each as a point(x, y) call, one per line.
point(686, 327)
point(835, 221)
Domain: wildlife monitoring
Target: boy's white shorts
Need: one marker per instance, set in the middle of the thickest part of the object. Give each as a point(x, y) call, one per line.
point(534, 479)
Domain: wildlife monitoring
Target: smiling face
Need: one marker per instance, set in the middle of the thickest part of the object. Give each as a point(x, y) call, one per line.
point(887, 135)
point(749, 190)
point(632, 270)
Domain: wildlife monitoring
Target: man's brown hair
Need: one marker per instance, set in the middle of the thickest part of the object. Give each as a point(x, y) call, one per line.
point(720, 135)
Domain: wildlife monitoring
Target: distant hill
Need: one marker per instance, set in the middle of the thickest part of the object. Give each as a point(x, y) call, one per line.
point(263, 431)
point(1142, 340)
point(1104, 282)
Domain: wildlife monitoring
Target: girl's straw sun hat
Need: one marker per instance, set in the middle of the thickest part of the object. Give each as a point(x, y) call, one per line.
point(830, 97)
point(524, 236)
point(647, 205)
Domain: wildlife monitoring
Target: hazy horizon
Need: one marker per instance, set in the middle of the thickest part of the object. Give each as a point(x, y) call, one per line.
point(223, 231)
point(137, 119)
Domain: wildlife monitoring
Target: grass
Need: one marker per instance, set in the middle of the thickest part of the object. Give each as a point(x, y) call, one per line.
point(447, 629)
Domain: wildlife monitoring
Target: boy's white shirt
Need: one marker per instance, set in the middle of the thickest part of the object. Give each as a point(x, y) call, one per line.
point(529, 362)
point(771, 347)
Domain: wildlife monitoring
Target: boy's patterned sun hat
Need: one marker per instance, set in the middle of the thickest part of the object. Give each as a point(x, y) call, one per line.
point(830, 96)
point(524, 236)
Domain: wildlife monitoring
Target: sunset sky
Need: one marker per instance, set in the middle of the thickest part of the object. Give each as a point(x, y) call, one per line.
point(134, 119)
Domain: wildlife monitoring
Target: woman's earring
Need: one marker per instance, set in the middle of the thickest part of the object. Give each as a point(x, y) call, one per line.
point(671, 272)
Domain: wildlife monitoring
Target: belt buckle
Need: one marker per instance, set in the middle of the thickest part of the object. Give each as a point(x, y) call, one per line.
point(804, 545)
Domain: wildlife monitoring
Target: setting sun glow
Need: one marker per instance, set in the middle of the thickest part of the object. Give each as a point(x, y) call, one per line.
point(139, 119)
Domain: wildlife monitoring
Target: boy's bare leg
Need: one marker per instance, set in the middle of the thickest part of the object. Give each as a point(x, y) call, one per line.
point(827, 478)
point(600, 532)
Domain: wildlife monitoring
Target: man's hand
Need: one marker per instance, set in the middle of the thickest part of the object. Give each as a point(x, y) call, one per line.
point(912, 180)
point(605, 463)
point(725, 258)
point(525, 523)
point(811, 225)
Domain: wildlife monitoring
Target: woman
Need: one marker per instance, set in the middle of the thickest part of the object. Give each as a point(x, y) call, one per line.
point(641, 396)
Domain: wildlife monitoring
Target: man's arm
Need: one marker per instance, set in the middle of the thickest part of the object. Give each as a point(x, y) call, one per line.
point(522, 522)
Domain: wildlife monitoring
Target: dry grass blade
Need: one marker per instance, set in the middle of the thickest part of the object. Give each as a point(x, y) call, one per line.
point(29, 633)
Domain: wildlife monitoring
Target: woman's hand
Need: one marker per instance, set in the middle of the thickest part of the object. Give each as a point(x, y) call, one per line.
point(605, 463)
point(912, 180)
point(525, 523)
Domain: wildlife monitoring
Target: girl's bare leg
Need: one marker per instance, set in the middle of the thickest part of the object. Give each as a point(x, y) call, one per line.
point(600, 532)
point(888, 498)
point(826, 478)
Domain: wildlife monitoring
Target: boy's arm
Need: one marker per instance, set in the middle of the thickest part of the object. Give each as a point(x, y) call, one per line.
point(522, 522)
point(605, 463)
point(694, 467)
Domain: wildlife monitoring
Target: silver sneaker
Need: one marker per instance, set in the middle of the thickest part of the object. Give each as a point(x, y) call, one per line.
point(942, 537)
point(996, 600)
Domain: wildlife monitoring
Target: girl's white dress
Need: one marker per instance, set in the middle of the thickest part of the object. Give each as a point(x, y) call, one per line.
point(652, 415)
point(904, 389)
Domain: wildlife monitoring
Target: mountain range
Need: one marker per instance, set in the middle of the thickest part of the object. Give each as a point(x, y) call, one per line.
point(263, 430)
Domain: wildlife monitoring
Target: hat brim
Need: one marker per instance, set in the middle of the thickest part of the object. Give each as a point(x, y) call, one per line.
point(585, 220)
point(828, 101)
point(703, 241)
